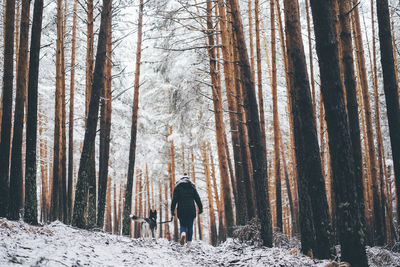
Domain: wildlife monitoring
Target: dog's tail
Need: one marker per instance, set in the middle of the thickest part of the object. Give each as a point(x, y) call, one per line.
point(136, 218)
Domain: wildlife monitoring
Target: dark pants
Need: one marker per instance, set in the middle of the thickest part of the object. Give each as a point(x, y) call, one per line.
point(187, 226)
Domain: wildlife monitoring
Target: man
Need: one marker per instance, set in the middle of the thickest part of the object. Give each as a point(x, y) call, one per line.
point(185, 194)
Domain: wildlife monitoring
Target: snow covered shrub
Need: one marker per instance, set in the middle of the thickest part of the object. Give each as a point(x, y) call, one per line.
point(249, 233)
point(284, 241)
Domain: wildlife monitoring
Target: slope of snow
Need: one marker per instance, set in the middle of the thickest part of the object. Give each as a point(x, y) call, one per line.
point(60, 245)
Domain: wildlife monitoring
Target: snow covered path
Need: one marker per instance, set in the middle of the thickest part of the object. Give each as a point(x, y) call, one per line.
point(60, 245)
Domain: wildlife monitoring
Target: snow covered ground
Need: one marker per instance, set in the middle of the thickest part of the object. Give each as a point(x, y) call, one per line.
point(60, 245)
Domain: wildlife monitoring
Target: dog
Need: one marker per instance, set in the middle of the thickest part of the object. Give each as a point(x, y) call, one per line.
point(148, 224)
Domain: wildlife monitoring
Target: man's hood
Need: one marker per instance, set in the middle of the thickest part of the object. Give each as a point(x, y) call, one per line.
point(184, 180)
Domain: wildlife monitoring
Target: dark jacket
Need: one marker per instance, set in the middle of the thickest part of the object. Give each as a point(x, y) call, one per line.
point(185, 194)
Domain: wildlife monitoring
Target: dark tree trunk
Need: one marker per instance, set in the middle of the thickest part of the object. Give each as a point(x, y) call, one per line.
point(71, 119)
point(219, 124)
point(91, 123)
point(30, 211)
point(315, 225)
point(91, 211)
point(132, 149)
point(16, 180)
point(352, 105)
point(255, 139)
point(244, 185)
point(56, 195)
point(8, 76)
point(349, 223)
point(391, 89)
point(277, 165)
point(105, 128)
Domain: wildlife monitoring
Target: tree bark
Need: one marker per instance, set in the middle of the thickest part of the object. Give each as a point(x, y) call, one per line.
point(378, 217)
point(199, 224)
point(8, 76)
point(30, 215)
point(16, 176)
point(71, 118)
point(213, 226)
point(390, 88)
point(277, 165)
point(255, 140)
point(351, 96)
point(220, 208)
point(315, 225)
point(90, 132)
point(349, 223)
point(132, 148)
point(220, 126)
point(56, 208)
point(105, 129)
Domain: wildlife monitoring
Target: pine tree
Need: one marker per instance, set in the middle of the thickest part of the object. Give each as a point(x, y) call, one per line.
point(390, 88)
point(219, 124)
point(8, 76)
point(349, 225)
point(30, 211)
point(71, 118)
point(316, 232)
point(132, 148)
point(16, 180)
point(253, 125)
point(105, 129)
point(90, 132)
point(351, 96)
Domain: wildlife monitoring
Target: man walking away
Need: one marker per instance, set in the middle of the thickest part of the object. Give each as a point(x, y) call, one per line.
point(185, 194)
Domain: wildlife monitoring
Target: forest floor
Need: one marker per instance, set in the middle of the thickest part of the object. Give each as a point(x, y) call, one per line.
point(57, 244)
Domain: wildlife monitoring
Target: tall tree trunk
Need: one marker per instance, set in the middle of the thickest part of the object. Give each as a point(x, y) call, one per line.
point(90, 133)
point(220, 126)
point(115, 211)
point(220, 207)
point(247, 179)
point(390, 88)
point(349, 221)
point(277, 165)
point(16, 177)
point(105, 129)
point(63, 151)
point(255, 139)
point(288, 185)
point(315, 225)
point(132, 148)
point(107, 223)
point(292, 152)
point(231, 94)
point(71, 118)
point(43, 170)
point(380, 148)
point(146, 212)
point(167, 233)
point(311, 60)
point(172, 182)
point(57, 168)
point(251, 39)
point(377, 212)
point(160, 209)
point(8, 76)
point(351, 96)
point(199, 224)
point(259, 75)
point(213, 227)
point(30, 215)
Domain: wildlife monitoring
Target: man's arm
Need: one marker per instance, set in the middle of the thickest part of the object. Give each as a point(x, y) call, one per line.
point(198, 201)
point(174, 201)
